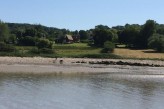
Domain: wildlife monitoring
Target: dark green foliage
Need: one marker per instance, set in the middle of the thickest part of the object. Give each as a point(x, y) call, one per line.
point(4, 32)
point(39, 31)
point(12, 39)
point(147, 31)
point(102, 35)
point(6, 48)
point(137, 36)
point(2, 46)
point(108, 47)
point(27, 41)
point(119, 28)
point(44, 43)
point(83, 35)
point(30, 32)
point(160, 29)
point(129, 35)
point(157, 42)
point(115, 35)
point(103, 27)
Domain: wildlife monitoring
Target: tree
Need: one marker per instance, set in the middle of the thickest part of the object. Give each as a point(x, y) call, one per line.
point(4, 32)
point(102, 35)
point(83, 35)
point(146, 32)
point(115, 35)
point(104, 27)
point(30, 32)
point(160, 29)
point(27, 41)
point(129, 35)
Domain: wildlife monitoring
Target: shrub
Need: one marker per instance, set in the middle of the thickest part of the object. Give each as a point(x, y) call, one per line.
point(9, 48)
point(44, 43)
point(34, 50)
point(108, 47)
point(6, 48)
point(157, 42)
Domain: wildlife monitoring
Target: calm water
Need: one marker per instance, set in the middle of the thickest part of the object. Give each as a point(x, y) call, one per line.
point(91, 91)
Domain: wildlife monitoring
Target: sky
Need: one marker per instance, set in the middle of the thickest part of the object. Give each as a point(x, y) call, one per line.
point(81, 14)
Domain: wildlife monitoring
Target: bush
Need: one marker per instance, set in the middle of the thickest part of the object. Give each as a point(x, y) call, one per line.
point(34, 50)
point(108, 47)
point(44, 43)
point(157, 42)
point(6, 48)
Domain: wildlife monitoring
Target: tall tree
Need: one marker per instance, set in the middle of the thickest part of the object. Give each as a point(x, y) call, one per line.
point(147, 31)
point(102, 35)
point(129, 35)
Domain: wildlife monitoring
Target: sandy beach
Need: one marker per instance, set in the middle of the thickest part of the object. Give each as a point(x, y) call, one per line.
point(40, 65)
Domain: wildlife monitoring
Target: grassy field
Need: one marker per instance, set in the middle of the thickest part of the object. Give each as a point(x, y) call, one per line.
point(76, 50)
point(141, 54)
point(80, 50)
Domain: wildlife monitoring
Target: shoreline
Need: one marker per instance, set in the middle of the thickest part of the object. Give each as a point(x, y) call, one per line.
point(74, 61)
point(39, 65)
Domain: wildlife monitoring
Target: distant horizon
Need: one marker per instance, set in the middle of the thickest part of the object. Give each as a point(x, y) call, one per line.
point(81, 15)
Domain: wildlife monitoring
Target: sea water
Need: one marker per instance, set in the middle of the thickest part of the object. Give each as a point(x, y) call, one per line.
point(82, 91)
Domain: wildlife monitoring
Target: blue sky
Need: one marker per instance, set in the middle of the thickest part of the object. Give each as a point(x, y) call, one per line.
point(81, 14)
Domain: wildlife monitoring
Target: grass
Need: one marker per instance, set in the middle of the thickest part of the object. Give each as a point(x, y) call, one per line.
point(139, 54)
point(76, 50)
point(81, 50)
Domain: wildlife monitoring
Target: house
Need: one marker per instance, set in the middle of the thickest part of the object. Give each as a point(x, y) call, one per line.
point(68, 39)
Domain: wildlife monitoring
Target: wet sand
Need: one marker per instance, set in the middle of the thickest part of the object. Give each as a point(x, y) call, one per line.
point(40, 65)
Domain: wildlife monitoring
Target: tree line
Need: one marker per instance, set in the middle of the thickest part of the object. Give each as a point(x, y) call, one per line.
point(148, 35)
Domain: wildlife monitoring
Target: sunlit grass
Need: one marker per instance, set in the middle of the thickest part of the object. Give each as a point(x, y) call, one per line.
point(83, 50)
point(142, 54)
point(75, 50)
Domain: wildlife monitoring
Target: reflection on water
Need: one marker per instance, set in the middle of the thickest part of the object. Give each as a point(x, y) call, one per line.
point(91, 91)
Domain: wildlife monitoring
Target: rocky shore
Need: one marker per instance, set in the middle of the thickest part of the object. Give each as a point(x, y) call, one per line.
point(40, 65)
point(72, 61)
